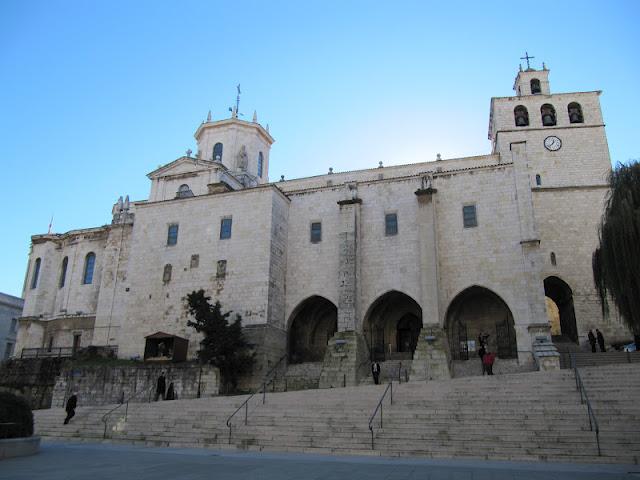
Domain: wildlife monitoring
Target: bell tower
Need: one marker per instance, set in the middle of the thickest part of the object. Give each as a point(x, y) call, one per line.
point(564, 132)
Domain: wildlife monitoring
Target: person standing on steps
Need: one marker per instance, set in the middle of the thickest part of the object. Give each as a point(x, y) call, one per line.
point(600, 340)
point(592, 341)
point(171, 394)
point(487, 362)
point(482, 349)
point(72, 402)
point(375, 371)
point(161, 387)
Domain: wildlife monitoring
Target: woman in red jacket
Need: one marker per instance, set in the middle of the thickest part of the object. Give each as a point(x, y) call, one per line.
point(487, 361)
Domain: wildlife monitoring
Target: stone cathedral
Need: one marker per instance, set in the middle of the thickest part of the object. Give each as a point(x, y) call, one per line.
point(398, 263)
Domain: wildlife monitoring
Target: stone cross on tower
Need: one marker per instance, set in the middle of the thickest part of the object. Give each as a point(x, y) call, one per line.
point(527, 58)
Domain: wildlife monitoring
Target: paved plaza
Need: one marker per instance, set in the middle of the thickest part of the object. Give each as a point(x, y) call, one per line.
point(67, 461)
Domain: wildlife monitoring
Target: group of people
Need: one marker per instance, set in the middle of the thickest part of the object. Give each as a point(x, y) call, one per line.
point(597, 337)
point(163, 391)
point(487, 358)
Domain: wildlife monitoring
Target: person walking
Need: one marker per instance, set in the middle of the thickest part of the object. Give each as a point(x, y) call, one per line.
point(481, 353)
point(375, 371)
point(72, 402)
point(600, 340)
point(161, 387)
point(487, 362)
point(592, 341)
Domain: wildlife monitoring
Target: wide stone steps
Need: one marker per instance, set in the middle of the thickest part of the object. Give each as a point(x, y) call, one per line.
point(536, 416)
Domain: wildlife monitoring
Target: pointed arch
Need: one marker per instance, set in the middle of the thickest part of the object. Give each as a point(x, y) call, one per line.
point(391, 326)
point(561, 294)
point(476, 310)
point(311, 325)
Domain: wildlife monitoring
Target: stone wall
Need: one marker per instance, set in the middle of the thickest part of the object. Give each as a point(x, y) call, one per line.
point(34, 378)
point(108, 384)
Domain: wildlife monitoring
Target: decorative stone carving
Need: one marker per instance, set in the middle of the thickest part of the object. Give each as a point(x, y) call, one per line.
point(243, 158)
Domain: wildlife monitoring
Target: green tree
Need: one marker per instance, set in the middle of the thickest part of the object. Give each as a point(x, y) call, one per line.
point(223, 345)
point(616, 261)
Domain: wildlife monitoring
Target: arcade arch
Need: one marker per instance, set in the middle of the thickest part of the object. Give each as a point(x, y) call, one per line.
point(561, 296)
point(392, 325)
point(475, 310)
point(313, 322)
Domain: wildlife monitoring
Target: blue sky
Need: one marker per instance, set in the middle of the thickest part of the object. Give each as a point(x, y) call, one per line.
point(97, 94)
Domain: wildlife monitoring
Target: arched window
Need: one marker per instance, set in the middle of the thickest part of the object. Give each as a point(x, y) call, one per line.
point(535, 86)
point(184, 191)
point(575, 113)
point(521, 116)
point(538, 180)
point(63, 272)
point(217, 152)
point(89, 265)
point(548, 115)
point(553, 258)
point(260, 161)
point(166, 275)
point(36, 273)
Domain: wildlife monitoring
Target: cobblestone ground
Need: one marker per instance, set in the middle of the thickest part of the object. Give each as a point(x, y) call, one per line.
point(66, 461)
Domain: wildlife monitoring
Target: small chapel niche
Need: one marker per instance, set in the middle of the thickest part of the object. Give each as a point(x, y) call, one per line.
point(221, 270)
point(521, 116)
point(535, 86)
point(166, 274)
point(575, 113)
point(548, 114)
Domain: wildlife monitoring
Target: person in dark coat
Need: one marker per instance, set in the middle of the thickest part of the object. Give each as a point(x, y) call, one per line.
point(592, 341)
point(161, 387)
point(375, 371)
point(72, 402)
point(171, 393)
point(600, 340)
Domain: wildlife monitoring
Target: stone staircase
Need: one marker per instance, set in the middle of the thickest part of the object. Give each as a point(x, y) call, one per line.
point(534, 416)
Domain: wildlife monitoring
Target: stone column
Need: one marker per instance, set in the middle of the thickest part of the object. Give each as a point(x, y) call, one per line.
point(431, 358)
point(346, 358)
point(530, 324)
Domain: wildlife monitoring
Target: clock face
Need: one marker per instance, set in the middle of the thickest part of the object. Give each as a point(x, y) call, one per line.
point(552, 143)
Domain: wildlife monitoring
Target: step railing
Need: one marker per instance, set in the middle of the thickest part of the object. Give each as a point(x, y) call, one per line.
point(379, 409)
point(593, 422)
point(125, 404)
point(263, 390)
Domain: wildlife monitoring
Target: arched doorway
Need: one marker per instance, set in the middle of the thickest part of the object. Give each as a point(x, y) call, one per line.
point(392, 325)
point(561, 296)
point(313, 323)
point(475, 310)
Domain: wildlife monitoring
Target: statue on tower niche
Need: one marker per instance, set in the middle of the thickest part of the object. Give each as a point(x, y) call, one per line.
point(243, 159)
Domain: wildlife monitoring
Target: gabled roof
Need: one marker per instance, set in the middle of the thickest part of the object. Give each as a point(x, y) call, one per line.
point(196, 164)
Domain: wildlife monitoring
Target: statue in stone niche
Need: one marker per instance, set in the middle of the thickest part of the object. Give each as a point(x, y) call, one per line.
point(426, 182)
point(243, 158)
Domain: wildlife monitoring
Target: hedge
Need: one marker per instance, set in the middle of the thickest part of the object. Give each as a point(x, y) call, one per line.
point(15, 410)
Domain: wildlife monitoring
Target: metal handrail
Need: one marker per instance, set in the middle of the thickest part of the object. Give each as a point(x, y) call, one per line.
point(263, 390)
point(593, 422)
point(379, 407)
point(105, 417)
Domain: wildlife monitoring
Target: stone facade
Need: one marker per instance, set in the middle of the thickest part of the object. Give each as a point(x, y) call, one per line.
point(386, 247)
point(10, 311)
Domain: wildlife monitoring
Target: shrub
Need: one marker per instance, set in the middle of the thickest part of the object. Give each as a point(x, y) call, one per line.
point(15, 409)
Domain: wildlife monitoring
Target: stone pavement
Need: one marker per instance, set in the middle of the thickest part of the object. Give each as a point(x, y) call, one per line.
point(94, 461)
